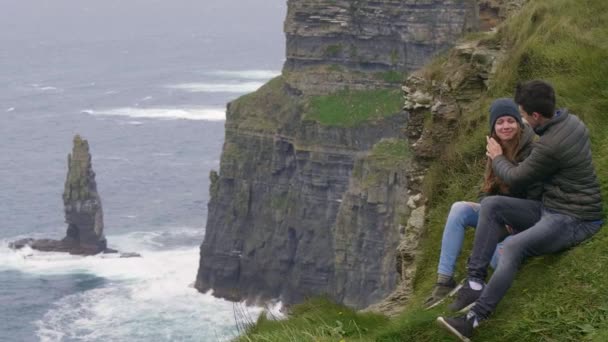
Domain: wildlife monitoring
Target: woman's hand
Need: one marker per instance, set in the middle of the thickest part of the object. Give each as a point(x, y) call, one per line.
point(493, 148)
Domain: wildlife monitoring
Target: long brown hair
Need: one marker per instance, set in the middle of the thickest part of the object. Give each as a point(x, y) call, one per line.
point(491, 183)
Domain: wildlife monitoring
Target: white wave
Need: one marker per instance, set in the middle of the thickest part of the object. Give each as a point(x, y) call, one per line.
point(12, 109)
point(27, 260)
point(147, 98)
point(143, 299)
point(45, 88)
point(246, 74)
point(113, 158)
point(206, 114)
point(162, 154)
point(275, 311)
point(144, 311)
point(153, 241)
point(241, 88)
point(149, 298)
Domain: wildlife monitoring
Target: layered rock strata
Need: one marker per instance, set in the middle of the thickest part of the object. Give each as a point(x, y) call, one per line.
point(82, 208)
point(301, 209)
point(368, 37)
point(282, 186)
point(368, 227)
point(436, 96)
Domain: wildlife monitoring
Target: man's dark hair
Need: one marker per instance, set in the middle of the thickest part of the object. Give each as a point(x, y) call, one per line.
point(536, 96)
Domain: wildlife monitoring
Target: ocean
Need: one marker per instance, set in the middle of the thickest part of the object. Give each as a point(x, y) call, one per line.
point(146, 83)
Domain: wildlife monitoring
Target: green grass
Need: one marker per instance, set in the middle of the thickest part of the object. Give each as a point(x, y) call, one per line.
point(391, 76)
point(386, 156)
point(554, 298)
point(349, 108)
point(333, 50)
point(265, 109)
point(316, 320)
point(390, 153)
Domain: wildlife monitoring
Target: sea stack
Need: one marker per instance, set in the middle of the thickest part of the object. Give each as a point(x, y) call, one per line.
point(82, 204)
point(82, 207)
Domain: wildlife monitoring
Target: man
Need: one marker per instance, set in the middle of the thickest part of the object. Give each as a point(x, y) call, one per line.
point(570, 210)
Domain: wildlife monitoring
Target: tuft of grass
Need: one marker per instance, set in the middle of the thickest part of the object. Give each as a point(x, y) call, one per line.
point(265, 109)
point(391, 76)
point(390, 153)
point(349, 108)
point(333, 50)
point(317, 319)
point(435, 69)
point(386, 157)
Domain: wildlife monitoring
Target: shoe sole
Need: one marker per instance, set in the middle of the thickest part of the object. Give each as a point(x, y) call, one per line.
point(450, 294)
point(451, 329)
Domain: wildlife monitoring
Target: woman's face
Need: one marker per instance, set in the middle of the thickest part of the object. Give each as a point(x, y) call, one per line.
point(506, 127)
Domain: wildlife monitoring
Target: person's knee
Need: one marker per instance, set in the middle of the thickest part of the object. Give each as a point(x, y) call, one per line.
point(459, 208)
point(512, 253)
point(492, 202)
point(458, 211)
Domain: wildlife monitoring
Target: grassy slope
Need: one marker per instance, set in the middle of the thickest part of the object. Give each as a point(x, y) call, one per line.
point(555, 298)
point(349, 108)
point(265, 109)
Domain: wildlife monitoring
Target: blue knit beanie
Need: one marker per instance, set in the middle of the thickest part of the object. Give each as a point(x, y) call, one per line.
point(502, 107)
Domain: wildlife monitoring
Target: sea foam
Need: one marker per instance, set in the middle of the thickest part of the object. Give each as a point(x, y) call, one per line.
point(206, 114)
point(236, 87)
point(149, 298)
point(245, 74)
point(45, 88)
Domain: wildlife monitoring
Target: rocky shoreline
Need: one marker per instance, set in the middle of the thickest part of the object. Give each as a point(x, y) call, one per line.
point(82, 208)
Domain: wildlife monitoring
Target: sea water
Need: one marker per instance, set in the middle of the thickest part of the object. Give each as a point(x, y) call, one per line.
point(146, 83)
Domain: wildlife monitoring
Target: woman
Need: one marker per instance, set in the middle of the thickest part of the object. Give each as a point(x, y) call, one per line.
point(515, 137)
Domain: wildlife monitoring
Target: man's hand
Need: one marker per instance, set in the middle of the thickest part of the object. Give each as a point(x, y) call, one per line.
point(510, 230)
point(493, 148)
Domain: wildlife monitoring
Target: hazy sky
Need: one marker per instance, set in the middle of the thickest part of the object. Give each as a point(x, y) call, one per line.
point(66, 20)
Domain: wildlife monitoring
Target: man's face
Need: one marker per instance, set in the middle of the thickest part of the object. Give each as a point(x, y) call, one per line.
point(529, 118)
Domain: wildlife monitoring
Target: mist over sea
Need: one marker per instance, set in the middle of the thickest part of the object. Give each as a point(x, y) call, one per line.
point(146, 83)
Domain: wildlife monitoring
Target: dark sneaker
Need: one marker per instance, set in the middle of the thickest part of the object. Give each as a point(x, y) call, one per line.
point(465, 298)
point(440, 293)
point(461, 326)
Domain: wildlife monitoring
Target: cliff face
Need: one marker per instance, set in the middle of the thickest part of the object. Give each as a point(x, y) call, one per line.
point(270, 230)
point(301, 208)
point(368, 227)
point(436, 97)
point(368, 37)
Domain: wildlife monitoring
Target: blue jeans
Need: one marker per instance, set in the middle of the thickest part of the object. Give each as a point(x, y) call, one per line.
point(461, 216)
point(542, 231)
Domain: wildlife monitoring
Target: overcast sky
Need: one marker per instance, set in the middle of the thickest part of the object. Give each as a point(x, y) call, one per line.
point(65, 20)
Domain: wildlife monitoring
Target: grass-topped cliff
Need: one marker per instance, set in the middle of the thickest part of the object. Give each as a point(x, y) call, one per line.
point(554, 298)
